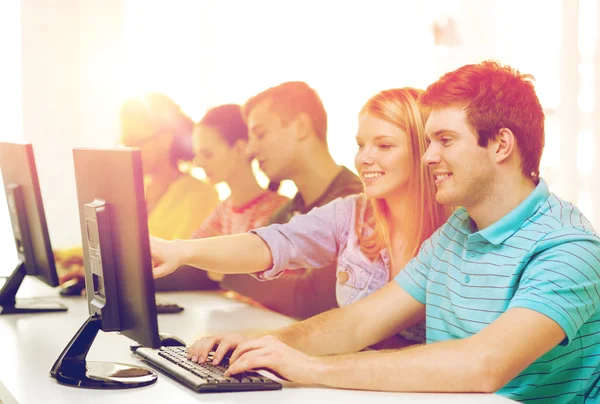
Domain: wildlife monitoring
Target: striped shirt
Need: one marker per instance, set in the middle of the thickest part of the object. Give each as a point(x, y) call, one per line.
point(544, 256)
point(227, 219)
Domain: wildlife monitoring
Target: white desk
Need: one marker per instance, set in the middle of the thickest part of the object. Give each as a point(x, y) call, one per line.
point(31, 343)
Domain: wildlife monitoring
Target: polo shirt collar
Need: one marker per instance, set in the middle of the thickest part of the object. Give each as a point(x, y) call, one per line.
point(508, 225)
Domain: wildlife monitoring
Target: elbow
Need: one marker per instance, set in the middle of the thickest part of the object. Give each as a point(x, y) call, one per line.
point(491, 374)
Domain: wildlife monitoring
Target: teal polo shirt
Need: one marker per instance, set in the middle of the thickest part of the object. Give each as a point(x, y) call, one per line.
point(544, 256)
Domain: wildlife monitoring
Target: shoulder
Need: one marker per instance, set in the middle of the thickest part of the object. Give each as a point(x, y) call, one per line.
point(275, 199)
point(558, 222)
point(560, 214)
point(561, 235)
point(189, 184)
point(346, 204)
point(346, 183)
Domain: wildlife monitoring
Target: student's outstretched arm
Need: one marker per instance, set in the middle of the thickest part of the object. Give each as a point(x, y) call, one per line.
point(310, 240)
point(236, 254)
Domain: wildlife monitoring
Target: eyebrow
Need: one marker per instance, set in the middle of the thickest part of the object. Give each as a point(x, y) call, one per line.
point(256, 127)
point(378, 137)
point(441, 132)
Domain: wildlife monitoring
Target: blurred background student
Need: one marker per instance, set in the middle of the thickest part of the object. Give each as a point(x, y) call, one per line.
point(220, 142)
point(177, 203)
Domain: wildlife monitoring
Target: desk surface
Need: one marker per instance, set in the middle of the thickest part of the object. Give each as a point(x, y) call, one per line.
point(31, 343)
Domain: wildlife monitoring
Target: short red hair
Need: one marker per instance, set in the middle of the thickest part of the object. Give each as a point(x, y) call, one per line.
point(495, 97)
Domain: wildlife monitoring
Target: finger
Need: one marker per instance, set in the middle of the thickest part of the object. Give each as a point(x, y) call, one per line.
point(74, 274)
point(72, 261)
point(66, 277)
point(258, 358)
point(199, 350)
point(247, 346)
point(224, 347)
point(162, 270)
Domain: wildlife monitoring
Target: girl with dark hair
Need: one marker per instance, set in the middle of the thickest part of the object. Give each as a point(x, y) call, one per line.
point(220, 140)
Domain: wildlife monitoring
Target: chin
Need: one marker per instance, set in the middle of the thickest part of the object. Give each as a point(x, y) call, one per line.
point(373, 193)
point(445, 199)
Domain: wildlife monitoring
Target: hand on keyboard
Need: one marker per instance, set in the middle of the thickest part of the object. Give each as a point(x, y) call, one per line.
point(203, 377)
point(199, 351)
point(282, 360)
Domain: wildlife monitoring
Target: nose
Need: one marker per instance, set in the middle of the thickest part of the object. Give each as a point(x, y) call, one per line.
point(251, 148)
point(431, 156)
point(365, 157)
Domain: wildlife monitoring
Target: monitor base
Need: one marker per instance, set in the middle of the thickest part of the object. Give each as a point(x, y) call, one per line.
point(72, 369)
point(24, 307)
point(10, 305)
point(104, 375)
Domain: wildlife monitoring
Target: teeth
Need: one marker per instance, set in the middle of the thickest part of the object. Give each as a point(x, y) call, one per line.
point(442, 176)
point(372, 175)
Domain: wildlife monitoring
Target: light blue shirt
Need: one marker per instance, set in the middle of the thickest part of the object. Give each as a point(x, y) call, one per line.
point(544, 256)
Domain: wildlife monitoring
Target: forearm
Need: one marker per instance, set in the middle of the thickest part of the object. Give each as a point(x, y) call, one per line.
point(356, 326)
point(236, 254)
point(325, 334)
point(447, 366)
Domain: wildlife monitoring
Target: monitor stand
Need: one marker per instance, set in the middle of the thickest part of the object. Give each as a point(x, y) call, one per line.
point(72, 368)
point(9, 304)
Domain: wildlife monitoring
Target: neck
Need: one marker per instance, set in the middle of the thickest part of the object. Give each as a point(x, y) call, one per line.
point(506, 196)
point(402, 210)
point(243, 186)
point(157, 183)
point(165, 176)
point(402, 226)
point(315, 175)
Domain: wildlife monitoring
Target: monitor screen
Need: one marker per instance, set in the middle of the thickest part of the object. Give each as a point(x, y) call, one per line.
point(27, 211)
point(116, 251)
point(29, 229)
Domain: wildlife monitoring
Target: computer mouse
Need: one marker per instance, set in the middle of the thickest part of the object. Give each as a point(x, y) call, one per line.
point(72, 287)
point(170, 340)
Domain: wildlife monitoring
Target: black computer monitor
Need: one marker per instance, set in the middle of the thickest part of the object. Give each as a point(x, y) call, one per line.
point(118, 267)
point(29, 229)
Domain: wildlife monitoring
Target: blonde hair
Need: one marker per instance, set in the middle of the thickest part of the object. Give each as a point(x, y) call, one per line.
point(400, 108)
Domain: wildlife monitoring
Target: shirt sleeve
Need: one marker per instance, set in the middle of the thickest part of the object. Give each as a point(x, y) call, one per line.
point(310, 240)
point(413, 277)
point(562, 282)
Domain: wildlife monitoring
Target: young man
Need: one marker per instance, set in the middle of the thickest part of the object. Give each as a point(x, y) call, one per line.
point(509, 287)
point(288, 136)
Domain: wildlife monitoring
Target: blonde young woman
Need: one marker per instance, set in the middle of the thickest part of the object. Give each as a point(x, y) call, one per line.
point(372, 235)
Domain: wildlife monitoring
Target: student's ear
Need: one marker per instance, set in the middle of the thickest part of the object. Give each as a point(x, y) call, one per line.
point(505, 145)
point(303, 125)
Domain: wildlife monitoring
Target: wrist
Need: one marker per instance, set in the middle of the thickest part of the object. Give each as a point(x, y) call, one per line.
point(318, 370)
point(182, 252)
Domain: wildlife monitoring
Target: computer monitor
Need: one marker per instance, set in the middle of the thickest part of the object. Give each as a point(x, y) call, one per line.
point(118, 267)
point(29, 229)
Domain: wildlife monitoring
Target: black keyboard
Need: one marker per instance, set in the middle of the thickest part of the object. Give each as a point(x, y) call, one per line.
point(164, 307)
point(203, 377)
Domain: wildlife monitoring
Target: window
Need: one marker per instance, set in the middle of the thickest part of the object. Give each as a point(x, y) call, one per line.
point(10, 105)
point(211, 52)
